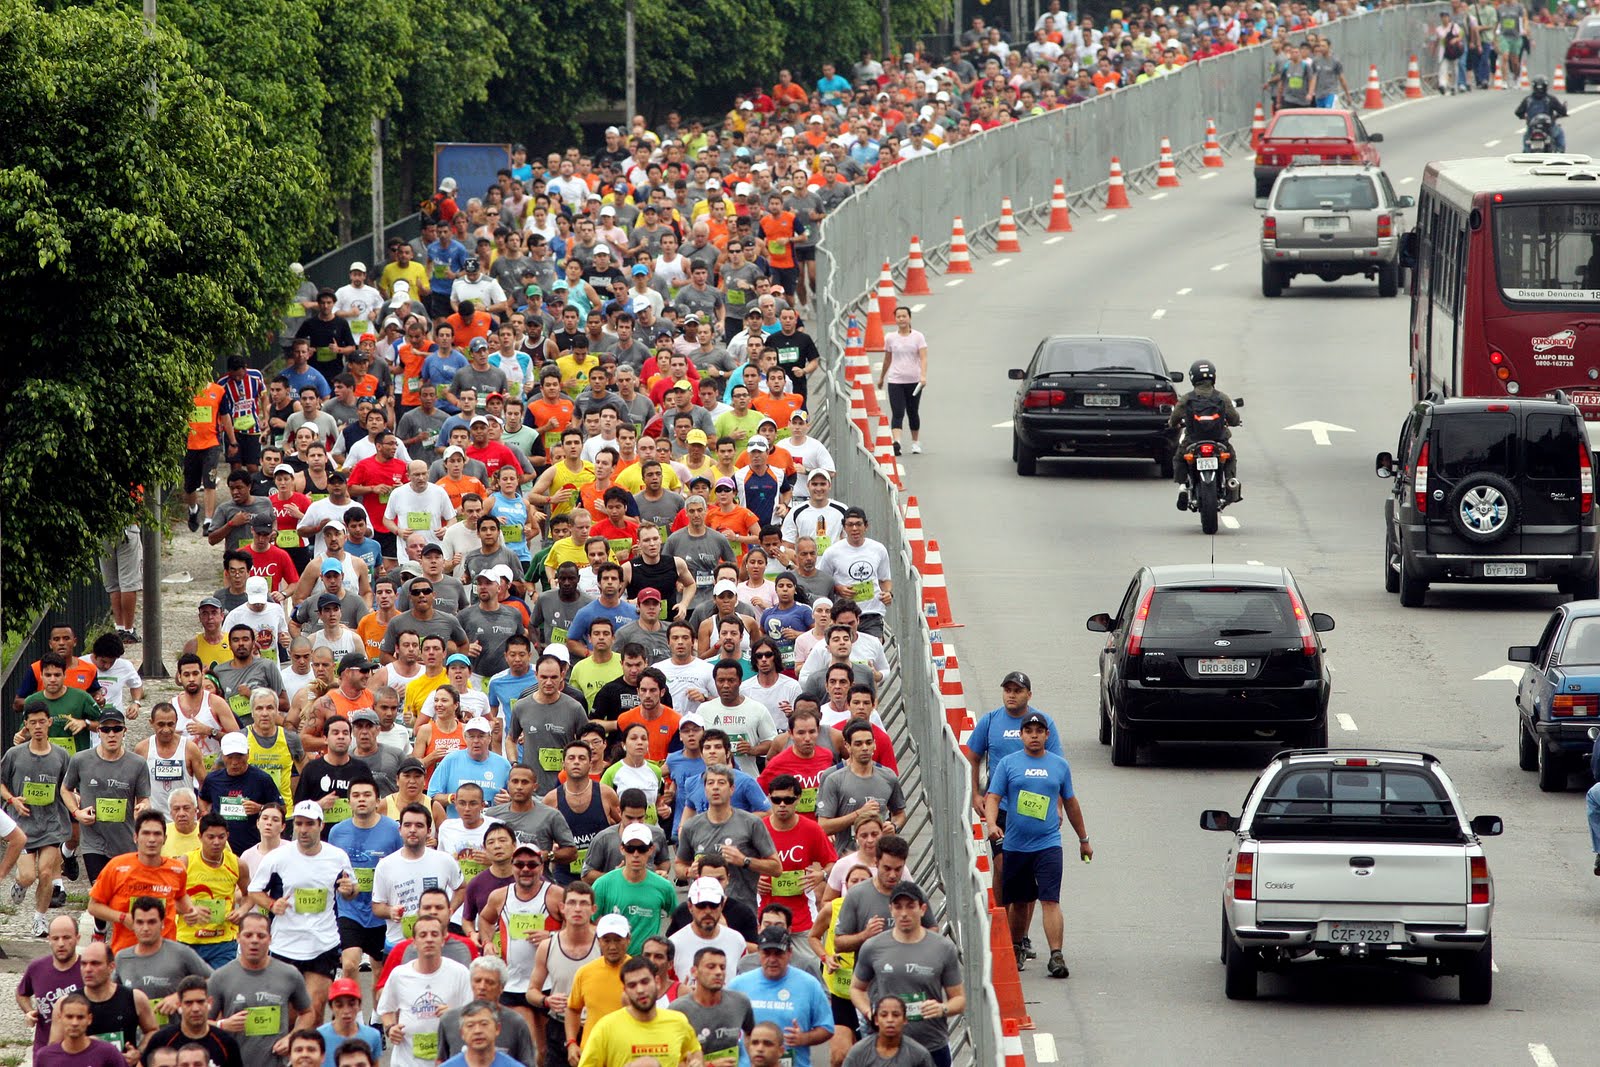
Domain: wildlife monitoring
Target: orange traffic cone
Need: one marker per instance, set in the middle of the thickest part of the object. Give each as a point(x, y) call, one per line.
point(1006, 238)
point(1116, 190)
point(884, 454)
point(873, 341)
point(953, 695)
point(886, 296)
point(1060, 220)
point(1558, 84)
point(1011, 1043)
point(912, 523)
point(1374, 100)
point(1258, 124)
point(859, 416)
point(935, 596)
point(1166, 169)
point(1413, 80)
point(1006, 977)
point(960, 257)
point(1523, 81)
point(1500, 74)
point(855, 356)
point(916, 271)
point(1212, 155)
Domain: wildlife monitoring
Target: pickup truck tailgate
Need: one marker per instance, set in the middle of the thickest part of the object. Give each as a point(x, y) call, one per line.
point(1409, 882)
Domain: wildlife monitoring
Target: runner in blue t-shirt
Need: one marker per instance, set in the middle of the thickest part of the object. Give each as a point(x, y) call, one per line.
point(366, 838)
point(999, 733)
point(788, 997)
point(1037, 787)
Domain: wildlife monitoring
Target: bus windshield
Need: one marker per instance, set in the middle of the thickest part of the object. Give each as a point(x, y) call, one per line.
point(1548, 252)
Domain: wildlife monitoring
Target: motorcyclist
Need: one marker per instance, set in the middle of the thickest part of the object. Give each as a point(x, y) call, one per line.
point(1540, 102)
point(1204, 414)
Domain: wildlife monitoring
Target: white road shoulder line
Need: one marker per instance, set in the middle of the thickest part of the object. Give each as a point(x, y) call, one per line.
point(1159, 313)
point(1230, 522)
point(1252, 562)
point(1002, 425)
point(1491, 144)
point(1053, 240)
point(1346, 722)
point(1541, 1055)
point(1107, 218)
point(1220, 266)
point(951, 283)
point(1185, 291)
point(1002, 261)
point(1158, 196)
point(1208, 177)
point(1407, 180)
point(916, 309)
point(1044, 1048)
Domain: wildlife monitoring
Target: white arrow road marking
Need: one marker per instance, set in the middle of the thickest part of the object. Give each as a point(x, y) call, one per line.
point(951, 283)
point(1207, 177)
point(1320, 430)
point(1159, 313)
point(1108, 218)
point(1541, 1055)
point(1053, 240)
point(1002, 261)
point(1253, 562)
point(1157, 196)
point(1002, 425)
point(1491, 144)
point(1220, 266)
point(1230, 522)
point(1346, 722)
point(1508, 673)
point(916, 309)
point(1185, 291)
point(1407, 180)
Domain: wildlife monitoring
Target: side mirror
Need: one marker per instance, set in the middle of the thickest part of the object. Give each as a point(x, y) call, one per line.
point(1374, 138)
point(1321, 621)
point(1488, 825)
point(1099, 624)
point(1217, 819)
point(1519, 654)
point(1238, 401)
point(1175, 375)
point(1407, 201)
point(1383, 466)
point(1016, 374)
point(1408, 249)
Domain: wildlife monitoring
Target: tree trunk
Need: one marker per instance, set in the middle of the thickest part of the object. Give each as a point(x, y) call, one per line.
point(346, 230)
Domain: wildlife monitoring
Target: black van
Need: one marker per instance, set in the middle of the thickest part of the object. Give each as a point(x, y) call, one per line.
point(1497, 490)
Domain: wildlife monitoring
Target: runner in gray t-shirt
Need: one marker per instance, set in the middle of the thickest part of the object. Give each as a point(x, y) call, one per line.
point(158, 974)
point(491, 630)
point(701, 554)
point(721, 1026)
point(545, 731)
point(744, 831)
point(914, 971)
point(272, 998)
point(441, 624)
point(109, 788)
point(24, 773)
point(541, 826)
point(841, 792)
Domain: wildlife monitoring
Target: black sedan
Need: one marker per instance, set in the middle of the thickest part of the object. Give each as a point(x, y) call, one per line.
point(1091, 395)
point(1212, 652)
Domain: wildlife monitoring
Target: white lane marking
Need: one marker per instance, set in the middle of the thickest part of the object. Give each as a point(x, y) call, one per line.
point(1493, 966)
point(1508, 673)
point(1002, 261)
point(1157, 196)
point(1407, 180)
point(1220, 266)
point(1253, 563)
point(1230, 522)
point(951, 283)
point(1541, 1055)
point(1159, 313)
point(1107, 218)
point(1346, 722)
point(916, 309)
point(1185, 291)
point(1044, 1048)
point(1208, 177)
point(1320, 430)
point(1053, 240)
point(1002, 425)
point(1491, 144)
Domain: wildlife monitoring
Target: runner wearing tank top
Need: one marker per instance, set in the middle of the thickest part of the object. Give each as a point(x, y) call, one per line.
point(561, 967)
point(519, 950)
point(210, 747)
point(584, 825)
point(168, 773)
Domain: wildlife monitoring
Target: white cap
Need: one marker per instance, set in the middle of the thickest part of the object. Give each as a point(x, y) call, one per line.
point(448, 185)
point(480, 724)
point(706, 891)
point(308, 809)
point(235, 744)
point(499, 572)
point(691, 718)
point(360, 266)
point(454, 450)
point(635, 834)
point(558, 651)
point(713, 184)
point(724, 586)
point(402, 286)
point(610, 130)
point(757, 443)
point(614, 925)
point(255, 590)
point(747, 106)
point(788, 131)
point(942, 97)
point(816, 118)
point(608, 210)
point(743, 189)
point(602, 247)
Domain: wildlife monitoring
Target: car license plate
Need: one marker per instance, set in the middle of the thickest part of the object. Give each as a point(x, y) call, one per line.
point(1505, 570)
point(1342, 933)
point(1329, 225)
point(1205, 463)
point(1224, 666)
point(1102, 400)
point(1308, 159)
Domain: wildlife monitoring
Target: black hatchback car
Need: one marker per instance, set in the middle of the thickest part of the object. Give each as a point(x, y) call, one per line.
point(1492, 491)
point(1212, 652)
point(1092, 395)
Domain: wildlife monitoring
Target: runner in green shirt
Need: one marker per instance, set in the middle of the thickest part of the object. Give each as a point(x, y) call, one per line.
point(634, 891)
point(71, 710)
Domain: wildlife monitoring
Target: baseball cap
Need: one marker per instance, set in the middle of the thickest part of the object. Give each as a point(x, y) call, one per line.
point(558, 651)
point(454, 450)
point(354, 661)
point(908, 890)
point(816, 119)
point(308, 809)
point(255, 590)
point(500, 572)
point(635, 834)
point(235, 745)
point(705, 890)
point(724, 586)
point(1016, 678)
point(410, 765)
point(819, 473)
point(328, 600)
point(649, 593)
point(344, 987)
point(457, 657)
point(479, 724)
point(747, 106)
point(800, 416)
point(360, 266)
point(364, 715)
point(696, 437)
point(331, 565)
point(683, 383)
point(743, 189)
point(282, 468)
point(1036, 718)
point(112, 715)
point(478, 345)
point(262, 522)
point(773, 937)
point(433, 548)
point(211, 602)
point(726, 483)
point(478, 418)
point(602, 250)
point(639, 269)
point(692, 719)
point(612, 926)
point(610, 130)
point(608, 210)
point(756, 444)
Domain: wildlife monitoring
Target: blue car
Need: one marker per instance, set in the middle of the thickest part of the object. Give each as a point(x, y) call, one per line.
point(1558, 699)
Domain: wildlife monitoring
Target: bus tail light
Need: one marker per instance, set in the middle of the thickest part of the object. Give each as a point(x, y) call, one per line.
point(1420, 482)
point(1478, 872)
point(1140, 617)
point(1501, 365)
point(1244, 876)
point(1269, 228)
point(1585, 478)
point(1385, 225)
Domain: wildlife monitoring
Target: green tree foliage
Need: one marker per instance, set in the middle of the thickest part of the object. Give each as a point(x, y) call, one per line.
point(356, 63)
point(136, 251)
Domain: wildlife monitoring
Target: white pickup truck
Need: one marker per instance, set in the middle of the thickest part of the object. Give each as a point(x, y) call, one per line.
point(1358, 856)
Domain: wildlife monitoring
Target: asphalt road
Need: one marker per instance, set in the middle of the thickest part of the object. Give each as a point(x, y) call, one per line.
point(1027, 560)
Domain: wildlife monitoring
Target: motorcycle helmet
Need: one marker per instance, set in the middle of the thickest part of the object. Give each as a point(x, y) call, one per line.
point(1540, 86)
point(1202, 372)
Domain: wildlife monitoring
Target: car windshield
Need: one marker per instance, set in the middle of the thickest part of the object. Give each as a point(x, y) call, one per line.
point(1339, 802)
point(1589, 30)
point(1177, 614)
point(1339, 192)
point(1583, 643)
point(1325, 127)
point(1098, 353)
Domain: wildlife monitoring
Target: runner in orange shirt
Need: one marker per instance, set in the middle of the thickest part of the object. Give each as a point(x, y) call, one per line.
point(206, 417)
point(738, 524)
point(551, 413)
point(776, 403)
point(456, 482)
point(412, 355)
point(778, 231)
point(141, 873)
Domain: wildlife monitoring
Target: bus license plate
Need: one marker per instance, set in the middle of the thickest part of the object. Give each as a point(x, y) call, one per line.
point(1224, 666)
point(1354, 933)
point(1205, 463)
point(1102, 400)
point(1505, 570)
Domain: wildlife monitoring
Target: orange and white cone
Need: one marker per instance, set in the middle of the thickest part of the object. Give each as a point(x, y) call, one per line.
point(1500, 74)
point(1524, 83)
point(1212, 153)
point(1006, 238)
point(1166, 169)
point(855, 354)
point(1558, 84)
point(1374, 99)
point(1413, 80)
point(935, 595)
point(1011, 1043)
point(887, 299)
point(1060, 220)
point(960, 256)
point(873, 341)
point(913, 533)
point(916, 271)
point(1116, 189)
point(1258, 124)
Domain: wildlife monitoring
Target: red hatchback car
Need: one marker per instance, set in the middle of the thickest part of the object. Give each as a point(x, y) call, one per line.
point(1311, 135)
point(1583, 56)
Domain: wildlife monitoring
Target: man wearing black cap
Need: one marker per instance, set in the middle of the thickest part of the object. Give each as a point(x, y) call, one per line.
point(382, 760)
point(101, 787)
point(1036, 786)
point(266, 558)
point(918, 965)
point(787, 997)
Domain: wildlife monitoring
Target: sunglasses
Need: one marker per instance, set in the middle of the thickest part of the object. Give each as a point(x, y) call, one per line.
point(765, 655)
point(636, 848)
point(526, 865)
point(707, 904)
point(108, 729)
point(422, 592)
point(783, 800)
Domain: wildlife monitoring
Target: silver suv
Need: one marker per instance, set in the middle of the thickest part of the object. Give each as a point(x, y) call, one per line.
point(1332, 220)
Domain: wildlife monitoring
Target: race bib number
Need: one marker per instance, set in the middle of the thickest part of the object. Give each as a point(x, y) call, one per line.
point(576, 866)
point(470, 869)
point(364, 879)
point(440, 271)
point(65, 742)
point(789, 884)
point(310, 901)
point(40, 793)
point(239, 704)
point(216, 910)
point(727, 1057)
point(550, 759)
point(413, 385)
point(204, 414)
point(408, 923)
point(736, 297)
point(232, 807)
point(425, 1046)
point(358, 326)
point(558, 636)
point(325, 354)
point(1032, 805)
point(552, 439)
point(520, 925)
point(808, 799)
point(511, 532)
point(861, 591)
point(788, 357)
point(418, 520)
point(263, 1021)
point(110, 809)
point(777, 247)
point(338, 811)
point(168, 772)
point(703, 581)
point(288, 538)
point(1296, 82)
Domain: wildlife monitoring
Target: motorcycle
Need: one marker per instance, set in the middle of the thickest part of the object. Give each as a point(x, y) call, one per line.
point(1208, 493)
point(1541, 134)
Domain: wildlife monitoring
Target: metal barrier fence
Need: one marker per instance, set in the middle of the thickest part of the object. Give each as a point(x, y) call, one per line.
point(332, 269)
point(1023, 161)
point(86, 607)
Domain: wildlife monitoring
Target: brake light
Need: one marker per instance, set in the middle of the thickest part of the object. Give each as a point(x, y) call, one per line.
point(1575, 704)
point(1302, 622)
point(1478, 873)
point(1497, 407)
point(1207, 449)
point(1244, 876)
point(1140, 617)
point(1269, 228)
point(1263, 159)
point(1157, 398)
point(1420, 480)
point(1585, 479)
point(1502, 366)
point(1044, 398)
point(1355, 761)
point(1385, 226)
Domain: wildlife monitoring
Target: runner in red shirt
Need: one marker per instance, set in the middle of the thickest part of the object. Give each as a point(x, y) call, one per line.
point(371, 482)
point(492, 454)
point(804, 759)
point(804, 850)
point(289, 507)
point(268, 560)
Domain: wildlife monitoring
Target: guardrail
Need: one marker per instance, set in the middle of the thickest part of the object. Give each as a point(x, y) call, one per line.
point(85, 607)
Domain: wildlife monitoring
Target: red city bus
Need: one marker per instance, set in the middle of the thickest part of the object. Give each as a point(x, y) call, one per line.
point(1505, 280)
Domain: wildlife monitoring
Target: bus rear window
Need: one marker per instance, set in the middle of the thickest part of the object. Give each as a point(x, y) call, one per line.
point(1548, 252)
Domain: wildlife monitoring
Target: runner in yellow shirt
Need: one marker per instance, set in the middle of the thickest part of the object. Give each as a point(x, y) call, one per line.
point(640, 1029)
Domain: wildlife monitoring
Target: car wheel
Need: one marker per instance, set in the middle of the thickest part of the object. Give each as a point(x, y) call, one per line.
point(1027, 459)
point(1413, 590)
point(1484, 508)
point(1124, 746)
point(1575, 85)
point(1240, 983)
point(1389, 279)
point(1391, 563)
point(1272, 281)
point(1477, 974)
point(1166, 466)
point(1105, 722)
point(1527, 746)
point(1317, 736)
point(1552, 770)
